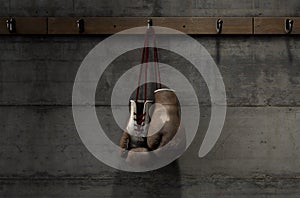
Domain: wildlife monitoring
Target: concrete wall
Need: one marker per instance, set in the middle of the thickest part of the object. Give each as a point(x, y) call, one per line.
point(150, 8)
point(257, 155)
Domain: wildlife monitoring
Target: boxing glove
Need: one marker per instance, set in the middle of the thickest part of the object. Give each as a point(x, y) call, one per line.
point(135, 134)
point(165, 122)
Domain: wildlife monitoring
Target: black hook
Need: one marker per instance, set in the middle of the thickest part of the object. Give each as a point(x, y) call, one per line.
point(149, 23)
point(11, 25)
point(80, 25)
point(219, 25)
point(288, 26)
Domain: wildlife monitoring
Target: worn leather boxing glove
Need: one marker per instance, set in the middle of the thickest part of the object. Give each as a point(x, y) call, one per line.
point(135, 134)
point(165, 122)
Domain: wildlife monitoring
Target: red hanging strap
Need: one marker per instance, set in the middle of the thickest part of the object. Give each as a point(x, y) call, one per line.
point(146, 72)
point(141, 67)
point(155, 61)
point(145, 60)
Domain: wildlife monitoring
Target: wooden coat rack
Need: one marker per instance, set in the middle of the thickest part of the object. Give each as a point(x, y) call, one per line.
point(111, 25)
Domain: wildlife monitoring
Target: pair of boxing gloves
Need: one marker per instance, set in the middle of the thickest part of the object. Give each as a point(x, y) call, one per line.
point(141, 134)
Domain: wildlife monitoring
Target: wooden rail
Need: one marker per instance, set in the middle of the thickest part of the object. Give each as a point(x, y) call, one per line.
point(23, 25)
point(111, 25)
point(277, 25)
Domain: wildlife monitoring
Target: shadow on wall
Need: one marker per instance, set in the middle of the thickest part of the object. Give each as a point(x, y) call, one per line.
point(288, 49)
point(218, 55)
point(164, 182)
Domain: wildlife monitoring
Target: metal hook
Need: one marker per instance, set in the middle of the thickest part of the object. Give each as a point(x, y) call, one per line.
point(288, 25)
point(11, 25)
point(219, 25)
point(80, 25)
point(149, 23)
